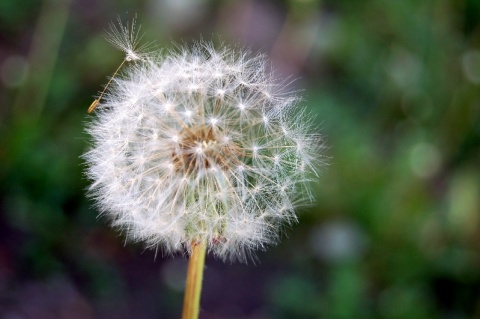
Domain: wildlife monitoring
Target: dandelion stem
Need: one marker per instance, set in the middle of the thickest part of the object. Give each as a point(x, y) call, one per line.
point(191, 302)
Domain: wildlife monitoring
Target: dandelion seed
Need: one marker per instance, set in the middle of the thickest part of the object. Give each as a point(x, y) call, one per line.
point(93, 106)
point(126, 38)
point(190, 169)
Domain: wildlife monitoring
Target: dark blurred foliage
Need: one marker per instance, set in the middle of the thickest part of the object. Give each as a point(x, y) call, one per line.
point(395, 232)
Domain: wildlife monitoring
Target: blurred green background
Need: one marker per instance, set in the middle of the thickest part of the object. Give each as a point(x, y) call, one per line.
point(395, 232)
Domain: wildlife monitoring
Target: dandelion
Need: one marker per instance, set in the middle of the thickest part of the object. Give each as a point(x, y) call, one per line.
point(200, 149)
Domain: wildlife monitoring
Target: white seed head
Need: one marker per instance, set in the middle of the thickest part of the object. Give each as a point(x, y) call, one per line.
point(191, 162)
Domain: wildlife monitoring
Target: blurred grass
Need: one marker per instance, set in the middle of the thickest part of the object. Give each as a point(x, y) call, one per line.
point(396, 228)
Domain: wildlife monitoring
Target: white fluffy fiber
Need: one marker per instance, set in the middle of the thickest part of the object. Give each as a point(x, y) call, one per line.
point(199, 145)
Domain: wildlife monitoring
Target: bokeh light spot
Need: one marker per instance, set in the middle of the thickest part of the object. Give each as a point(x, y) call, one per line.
point(424, 160)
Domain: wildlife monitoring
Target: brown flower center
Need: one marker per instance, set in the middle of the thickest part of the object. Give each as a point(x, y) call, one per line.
point(202, 147)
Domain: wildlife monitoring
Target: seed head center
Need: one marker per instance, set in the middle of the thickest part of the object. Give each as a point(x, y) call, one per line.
point(200, 148)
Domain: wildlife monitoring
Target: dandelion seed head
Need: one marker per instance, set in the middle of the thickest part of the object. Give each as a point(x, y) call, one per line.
point(182, 164)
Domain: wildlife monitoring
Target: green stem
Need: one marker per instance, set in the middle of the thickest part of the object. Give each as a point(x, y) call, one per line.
point(191, 302)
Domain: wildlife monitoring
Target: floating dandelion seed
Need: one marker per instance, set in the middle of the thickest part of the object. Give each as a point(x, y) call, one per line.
point(199, 146)
point(125, 38)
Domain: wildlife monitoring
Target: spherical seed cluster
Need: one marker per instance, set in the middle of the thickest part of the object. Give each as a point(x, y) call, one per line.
point(200, 145)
